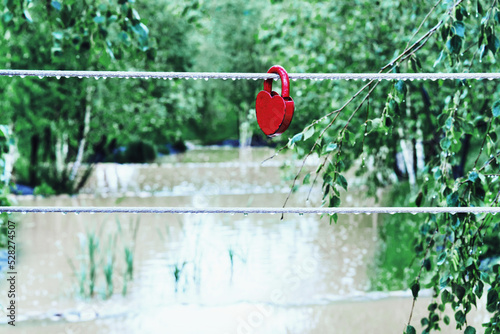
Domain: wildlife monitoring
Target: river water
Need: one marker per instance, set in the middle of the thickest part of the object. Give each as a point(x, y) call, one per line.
point(202, 273)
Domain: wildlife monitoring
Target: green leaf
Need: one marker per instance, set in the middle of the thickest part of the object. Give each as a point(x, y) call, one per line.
point(410, 330)
point(460, 317)
point(58, 35)
point(445, 143)
point(492, 300)
point(496, 108)
point(473, 176)
point(432, 307)
point(306, 178)
point(446, 320)
point(458, 28)
point(452, 199)
point(334, 218)
point(334, 201)
point(439, 59)
point(296, 138)
point(479, 289)
point(415, 288)
point(441, 258)
point(493, 43)
point(342, 181)
point(446, 297)
point(331, 147)
point(27, 16)
point(99, 19)
point(482, 52)
point(458, 290)
point(454, 44)
point(493, 136)
point(400, 87)
point(56, 5)
point(124, 37)
point(7, 17)
point(479, 8)
point(470, 330)
point(449, 123)
point(309, 133)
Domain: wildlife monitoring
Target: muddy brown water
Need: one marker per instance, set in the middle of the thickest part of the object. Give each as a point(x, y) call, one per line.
point(200, 273)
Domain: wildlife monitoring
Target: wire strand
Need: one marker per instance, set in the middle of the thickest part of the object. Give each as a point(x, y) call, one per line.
point(251, 210)
point(255, 76)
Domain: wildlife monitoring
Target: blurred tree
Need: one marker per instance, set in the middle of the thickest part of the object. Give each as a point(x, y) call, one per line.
point(227, 37)
point(60, 122)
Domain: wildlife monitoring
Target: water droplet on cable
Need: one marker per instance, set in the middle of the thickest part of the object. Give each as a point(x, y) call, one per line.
point(96, 77)
point(63, 213)
point(40, 77)
point(58, 77)
point(24, 212)
point(245, 214)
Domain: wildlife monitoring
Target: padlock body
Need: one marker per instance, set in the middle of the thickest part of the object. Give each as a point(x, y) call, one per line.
point(274, 113)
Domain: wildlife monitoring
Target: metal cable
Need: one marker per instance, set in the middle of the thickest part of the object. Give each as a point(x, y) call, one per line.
point(251, 210)
point(254, 76)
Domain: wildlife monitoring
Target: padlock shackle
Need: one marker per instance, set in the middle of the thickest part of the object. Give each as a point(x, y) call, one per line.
point(285, 81)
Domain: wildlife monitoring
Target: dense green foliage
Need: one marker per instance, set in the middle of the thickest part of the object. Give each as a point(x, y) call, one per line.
point(440, 137)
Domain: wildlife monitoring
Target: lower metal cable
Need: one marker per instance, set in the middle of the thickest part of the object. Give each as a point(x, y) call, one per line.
point(251, 210)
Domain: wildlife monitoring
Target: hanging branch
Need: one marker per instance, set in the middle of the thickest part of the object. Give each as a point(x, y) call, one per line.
point(404, 55)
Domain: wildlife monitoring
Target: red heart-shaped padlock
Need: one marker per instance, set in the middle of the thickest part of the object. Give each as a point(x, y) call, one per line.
point(275, 112)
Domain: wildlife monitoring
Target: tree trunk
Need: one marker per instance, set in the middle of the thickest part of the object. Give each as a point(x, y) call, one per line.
point(35, 143)
point(86, 128)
